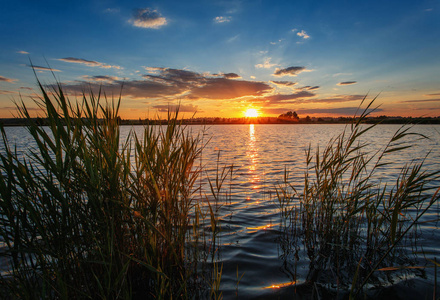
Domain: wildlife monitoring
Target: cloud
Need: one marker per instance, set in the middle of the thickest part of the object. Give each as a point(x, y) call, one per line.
point(285, 98)
point(304, 97)
point(5, 92)
point(347, 82)
point(342, 74)
point(23, 52)
point(420, 101)
point(276, 42)
point(182, 108)
point(111, 10)
point(153, 70)
point(231, 75)
point(290, 71)
point(222, 19)
point(232, 39)
point(309, 88)
point(303, 34)
point(283, 83)
point(89, 63)
point(102, 78)
point(266, 64)
point(339, 98)
point(432, 95)
point(147, 18)
point(223, 88)
point(171, 83)
point(40, 68)
point(345, 111)
point(5, 79)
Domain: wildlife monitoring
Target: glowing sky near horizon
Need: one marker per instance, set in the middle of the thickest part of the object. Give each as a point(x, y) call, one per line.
point(219, 58)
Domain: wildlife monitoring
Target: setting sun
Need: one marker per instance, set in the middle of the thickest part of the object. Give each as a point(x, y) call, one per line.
point(251, 113)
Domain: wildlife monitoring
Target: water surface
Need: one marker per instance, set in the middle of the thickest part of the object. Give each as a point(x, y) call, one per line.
point(261, 155)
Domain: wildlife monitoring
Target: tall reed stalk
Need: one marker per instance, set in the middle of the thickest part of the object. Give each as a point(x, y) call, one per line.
point(345, 220)
point(84, 215)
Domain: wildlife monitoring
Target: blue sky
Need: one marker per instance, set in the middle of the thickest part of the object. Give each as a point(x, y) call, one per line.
point(221, 57)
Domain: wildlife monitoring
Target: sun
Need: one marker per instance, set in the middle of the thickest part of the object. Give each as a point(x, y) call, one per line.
point(251, 113)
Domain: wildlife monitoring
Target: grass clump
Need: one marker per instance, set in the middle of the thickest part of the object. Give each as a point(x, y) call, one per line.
point(84, 215)
point(345, 221)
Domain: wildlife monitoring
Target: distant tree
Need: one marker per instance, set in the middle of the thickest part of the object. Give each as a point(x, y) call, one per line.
point(290, 115)
point(308, 119)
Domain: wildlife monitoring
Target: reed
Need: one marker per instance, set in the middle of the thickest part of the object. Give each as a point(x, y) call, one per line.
point(345, 220)
point(84, 215)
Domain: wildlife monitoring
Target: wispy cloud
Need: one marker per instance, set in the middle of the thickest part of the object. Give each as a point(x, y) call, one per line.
point(147, 18)
point(283, 83)
point(40, 68)
point(89, 63)
point(347, 82)
point(339, 98)
point(345, 111)
point(266, 64)
point(432, 95)
point(309, 87)
point(420, 101)
point(6, 79)
point(290, 71)
point(222, 19)
point(5, 92)
point(111, 10)
point(102, 78)
point(288, 97)
point(234, 38)
point(342, 74)
point(181, 107)
point(276, 42)
point(22, 52)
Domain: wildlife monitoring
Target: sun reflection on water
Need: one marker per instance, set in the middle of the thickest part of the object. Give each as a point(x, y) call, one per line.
point(279, 285)
point(252, 153)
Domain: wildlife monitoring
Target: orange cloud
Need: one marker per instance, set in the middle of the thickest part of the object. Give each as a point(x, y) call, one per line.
point(5, 79)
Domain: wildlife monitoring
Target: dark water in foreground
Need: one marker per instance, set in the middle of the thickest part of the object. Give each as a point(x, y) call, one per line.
point(250, 220)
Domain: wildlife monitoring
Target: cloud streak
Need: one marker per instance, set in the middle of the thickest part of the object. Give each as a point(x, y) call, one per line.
point(147, 18)
point(283, 83)
point(6, 79)
point(420, 101)
point(344, 111)
point(290, 71)
point(182, 108)
point(40, 68)
point(89, 63)
point(288, 97)
point(347, 82)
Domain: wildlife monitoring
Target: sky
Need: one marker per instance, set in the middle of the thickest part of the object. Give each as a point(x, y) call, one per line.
point(218, 58)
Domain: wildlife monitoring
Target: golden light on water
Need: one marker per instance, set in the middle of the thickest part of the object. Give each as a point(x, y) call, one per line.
point(279, 285)
point(251, 113)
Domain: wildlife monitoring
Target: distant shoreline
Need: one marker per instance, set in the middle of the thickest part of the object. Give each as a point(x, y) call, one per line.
point(259, 120)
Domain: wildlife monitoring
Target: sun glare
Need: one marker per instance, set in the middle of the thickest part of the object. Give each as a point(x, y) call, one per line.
point(251, 113)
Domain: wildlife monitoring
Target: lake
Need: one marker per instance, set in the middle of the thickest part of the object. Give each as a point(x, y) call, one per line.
point(250, 218)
